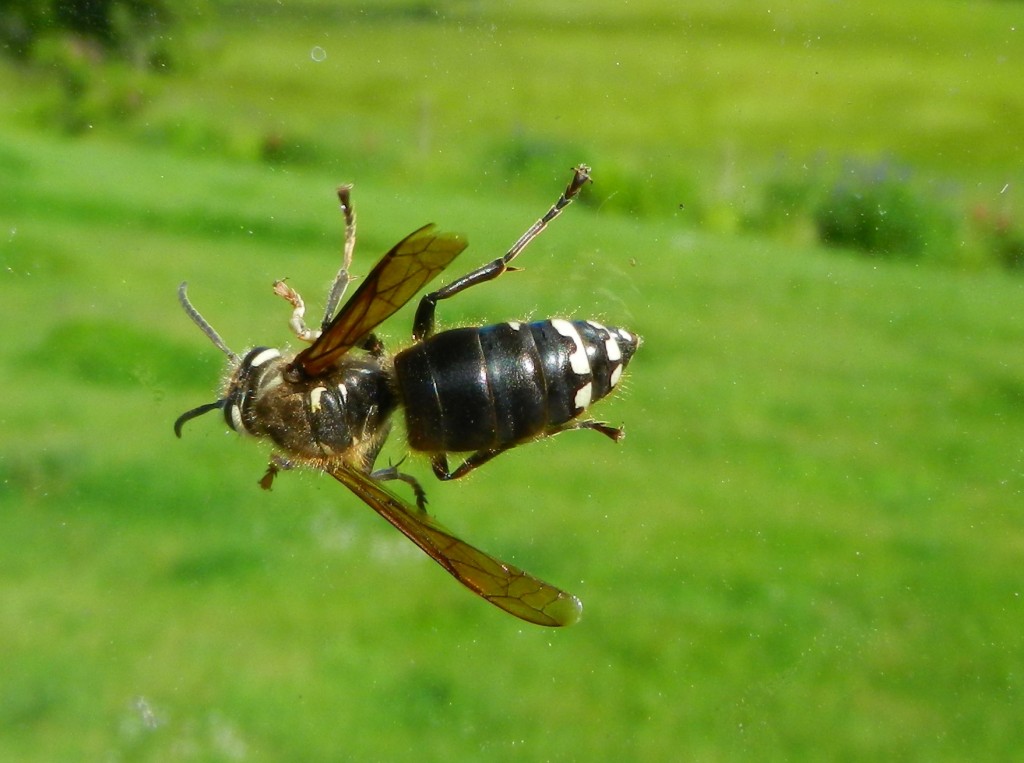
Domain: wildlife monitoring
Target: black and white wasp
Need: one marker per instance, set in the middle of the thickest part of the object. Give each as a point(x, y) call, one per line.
point(479, 390)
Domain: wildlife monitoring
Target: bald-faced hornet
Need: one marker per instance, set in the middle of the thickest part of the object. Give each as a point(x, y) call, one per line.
point(478, 390)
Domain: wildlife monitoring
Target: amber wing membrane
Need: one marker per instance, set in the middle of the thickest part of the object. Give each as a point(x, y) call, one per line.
point(505, 586)
point(410, 265)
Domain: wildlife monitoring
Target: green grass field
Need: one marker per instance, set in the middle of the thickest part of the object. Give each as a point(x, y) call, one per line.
point(808, 547)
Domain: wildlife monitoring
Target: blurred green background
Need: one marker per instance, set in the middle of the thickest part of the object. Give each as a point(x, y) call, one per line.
point(810, 544)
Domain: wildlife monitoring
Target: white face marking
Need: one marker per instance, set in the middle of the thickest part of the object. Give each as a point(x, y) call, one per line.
point(314, 398)
point(343, 391)
point(616, 375)
point(578, 357)
point(269, 381)
point(515, 325)
point(626, 336)
point(236, 419)
point(263, 357)
point(597, 325)
point(583, 395)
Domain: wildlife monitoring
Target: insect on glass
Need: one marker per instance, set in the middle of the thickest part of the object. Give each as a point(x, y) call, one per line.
point(477, 390)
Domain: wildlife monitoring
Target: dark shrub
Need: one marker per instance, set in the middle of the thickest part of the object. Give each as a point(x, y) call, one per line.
point(879, 211)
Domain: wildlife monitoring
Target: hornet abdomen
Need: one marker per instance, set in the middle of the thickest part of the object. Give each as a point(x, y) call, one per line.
point(489, 387)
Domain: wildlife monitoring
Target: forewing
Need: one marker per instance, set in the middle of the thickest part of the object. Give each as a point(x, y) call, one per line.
point(410, 265)
point(505, 586)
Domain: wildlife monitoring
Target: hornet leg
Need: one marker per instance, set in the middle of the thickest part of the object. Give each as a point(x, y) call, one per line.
point(423, 324)
point(439, 461)
point(341, 280)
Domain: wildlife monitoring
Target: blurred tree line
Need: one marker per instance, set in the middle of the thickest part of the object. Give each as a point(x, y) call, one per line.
point(141, 32)
point(95, 62)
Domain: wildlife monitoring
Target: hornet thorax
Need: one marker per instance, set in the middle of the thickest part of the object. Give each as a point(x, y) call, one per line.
point(310, 418)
